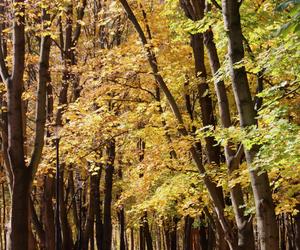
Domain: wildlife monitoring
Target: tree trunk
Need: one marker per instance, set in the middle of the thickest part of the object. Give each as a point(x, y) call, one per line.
point(109, 171)
point(244, 224)
point(121, 216)
point(67, 241)
point(147, 232)
point(48, 213)
point(18, 226)
point(187, 240)
point(98, 213)
point(89, 224)
point(297, 228)
point(265, 214)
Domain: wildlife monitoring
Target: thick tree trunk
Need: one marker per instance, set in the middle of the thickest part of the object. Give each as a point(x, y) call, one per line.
point(265, 214)
point(18, 226)
point(187, 240)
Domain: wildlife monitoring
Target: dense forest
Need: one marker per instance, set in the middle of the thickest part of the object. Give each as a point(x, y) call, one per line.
point(150, 124)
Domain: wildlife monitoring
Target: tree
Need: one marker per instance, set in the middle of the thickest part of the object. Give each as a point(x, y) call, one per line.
point(20, 175)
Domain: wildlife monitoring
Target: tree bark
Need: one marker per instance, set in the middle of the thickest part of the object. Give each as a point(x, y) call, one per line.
point(244, 223)
point(18, 228)
point(265, 214)
point(187, 240)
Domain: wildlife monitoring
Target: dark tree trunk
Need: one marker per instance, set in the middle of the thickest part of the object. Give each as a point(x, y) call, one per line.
point(131, 239)
point(265, 213)
point(142, 238)
point(109, 171)
point(147, 232)
point(18, 228)
point(121, 216)
point(203, 233)
point(89, 223)
point(187, 240)
point(297, 228)
point(48, 213)
point(98, 212)
point(67, 241)
point(173, 234)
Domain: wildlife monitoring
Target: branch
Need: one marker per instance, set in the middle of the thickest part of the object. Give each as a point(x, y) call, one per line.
point(41, 113)
point(80, 15)
point(36, 222)
point(3, 68)
point(215, 3)
point(238, 155)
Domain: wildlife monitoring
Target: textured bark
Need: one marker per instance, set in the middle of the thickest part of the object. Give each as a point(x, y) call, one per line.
point(18, 233)
point(244, 224)
point(265, 214)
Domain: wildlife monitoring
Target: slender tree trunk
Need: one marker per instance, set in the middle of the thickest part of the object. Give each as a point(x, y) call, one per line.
point(48, 213)
point(173, 234)
point(109, 171)
point(98, 213)
point(297, 228)
point(147, 232)
point(265, 214)
point(131, 239)
point(67, 241)
point(142, 237)
point(121, 216)
point(89, 224)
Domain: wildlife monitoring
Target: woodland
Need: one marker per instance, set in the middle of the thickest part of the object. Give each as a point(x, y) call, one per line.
point(150, 125)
